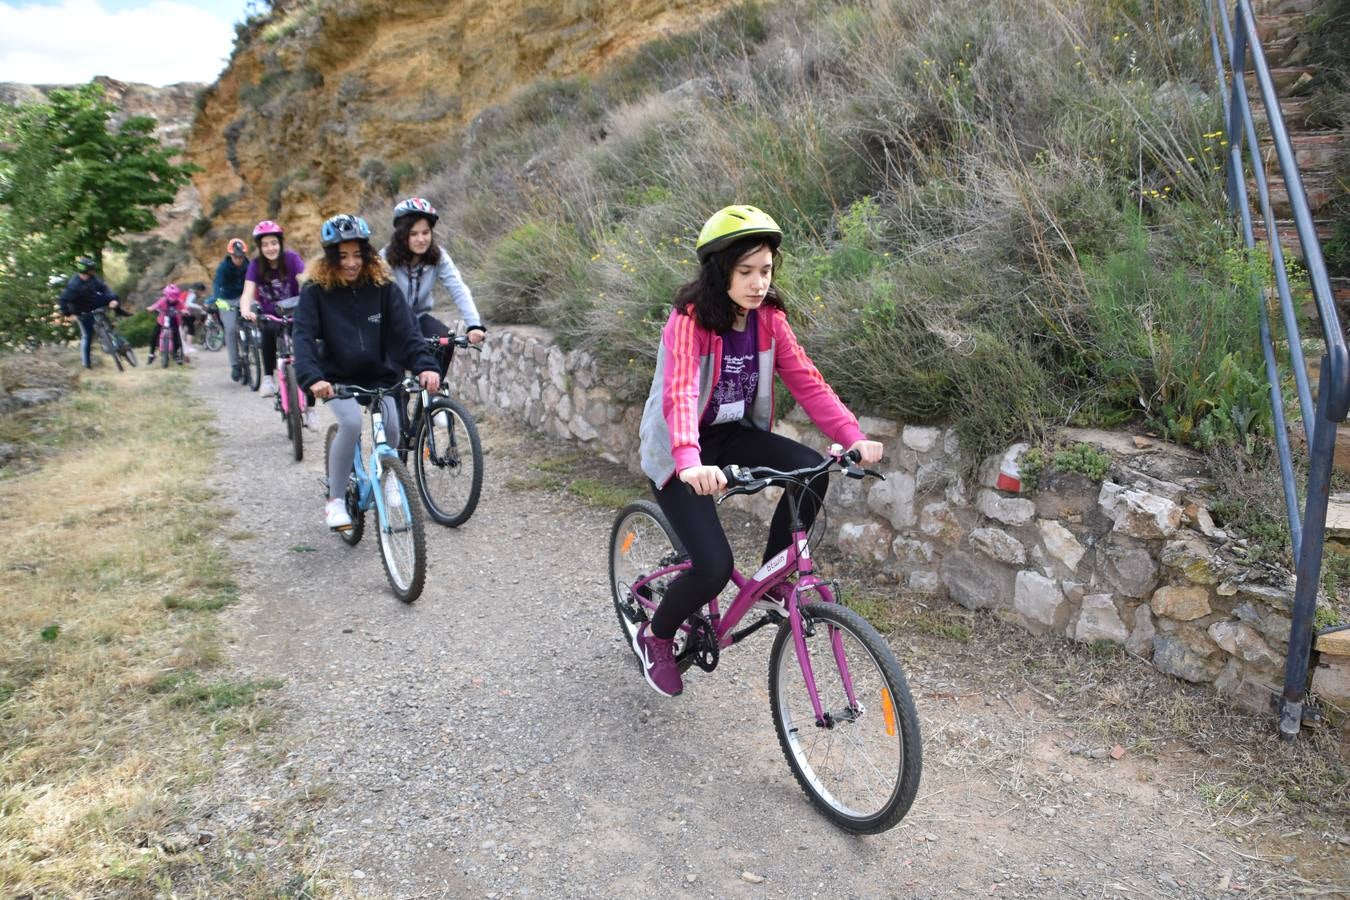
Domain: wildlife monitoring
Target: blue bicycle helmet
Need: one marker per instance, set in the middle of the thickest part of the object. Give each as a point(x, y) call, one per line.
point(344, 227)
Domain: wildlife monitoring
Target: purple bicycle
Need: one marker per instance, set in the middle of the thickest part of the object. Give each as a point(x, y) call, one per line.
point(839, 700)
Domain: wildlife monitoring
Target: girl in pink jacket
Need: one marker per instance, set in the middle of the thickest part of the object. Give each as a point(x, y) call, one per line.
point(711, 405)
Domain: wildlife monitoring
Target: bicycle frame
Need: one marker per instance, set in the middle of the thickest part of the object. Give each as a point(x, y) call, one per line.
point(285, 359)
point(368, 472)
point(750, 589)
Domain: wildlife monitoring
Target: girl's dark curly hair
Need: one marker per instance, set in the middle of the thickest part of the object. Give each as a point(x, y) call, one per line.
point(713, 307)
point(398, 254)
point(327, 273)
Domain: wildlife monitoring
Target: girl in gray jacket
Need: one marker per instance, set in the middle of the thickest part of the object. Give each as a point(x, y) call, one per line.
point(417, 263)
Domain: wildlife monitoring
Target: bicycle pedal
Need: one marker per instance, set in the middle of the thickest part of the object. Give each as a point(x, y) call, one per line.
point(341, 528)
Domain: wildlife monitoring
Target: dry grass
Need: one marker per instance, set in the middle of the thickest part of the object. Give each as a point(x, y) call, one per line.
point(112, 699)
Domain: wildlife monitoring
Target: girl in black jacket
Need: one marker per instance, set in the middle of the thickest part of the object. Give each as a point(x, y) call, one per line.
point(352, 305)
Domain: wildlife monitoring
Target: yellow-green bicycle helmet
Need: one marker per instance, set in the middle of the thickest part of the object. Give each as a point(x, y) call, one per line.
point(731, 223)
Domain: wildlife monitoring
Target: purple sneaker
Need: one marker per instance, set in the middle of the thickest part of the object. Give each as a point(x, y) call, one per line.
point(657, 659)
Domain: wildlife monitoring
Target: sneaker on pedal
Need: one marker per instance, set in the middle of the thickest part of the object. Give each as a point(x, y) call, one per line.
point(335, 515)
point(774, 600)
point(657, 659)
point(235, 374)
point(268, 388)
point(150, 360)
point(310, 418)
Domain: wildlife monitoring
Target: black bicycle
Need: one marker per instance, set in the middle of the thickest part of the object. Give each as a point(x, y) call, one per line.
point(213, 329)
point(250, 353)
point(442, 438)
point(113, 344)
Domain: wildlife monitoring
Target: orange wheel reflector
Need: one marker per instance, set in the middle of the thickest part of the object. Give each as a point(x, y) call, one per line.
point(888, 711)
point(628, 541)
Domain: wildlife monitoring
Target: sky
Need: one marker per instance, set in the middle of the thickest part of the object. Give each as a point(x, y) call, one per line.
point(149, 41)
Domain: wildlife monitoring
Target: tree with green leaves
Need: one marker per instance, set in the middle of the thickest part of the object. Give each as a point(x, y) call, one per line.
point(71, 185)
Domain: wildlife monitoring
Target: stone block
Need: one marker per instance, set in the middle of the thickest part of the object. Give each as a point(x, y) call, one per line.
point(893, 499)
point(1331, 680)
point(1272, 596)
point(975, 583)
point(864, 540)
point(1060, 543)
point(1174, 656)
point(1140, 641)
point(1130, 571)
point(923, 582)
point(876, 428)
point(1065, 495)
point(1098, 620)
point(1193, 558)
point(1247, 689)
point(999, 545)
point(1184, 603)
point(938, 520)
point(1243, 641)
point(1138, 513)
point(1271, 624)
point(921, 439)
point(1008, 510)
point(1038, 598)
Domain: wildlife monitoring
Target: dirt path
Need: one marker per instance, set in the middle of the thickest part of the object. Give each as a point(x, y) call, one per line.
point(494, 739)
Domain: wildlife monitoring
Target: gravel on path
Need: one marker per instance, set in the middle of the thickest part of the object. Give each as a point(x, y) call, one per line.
point(495, 739)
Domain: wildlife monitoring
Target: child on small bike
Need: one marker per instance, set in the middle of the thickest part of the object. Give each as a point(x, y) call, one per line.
point(169, 310)
point(711, 404)
point(351, 304)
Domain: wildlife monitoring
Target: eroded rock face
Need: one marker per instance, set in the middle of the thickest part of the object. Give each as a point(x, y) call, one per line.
point(345, 85)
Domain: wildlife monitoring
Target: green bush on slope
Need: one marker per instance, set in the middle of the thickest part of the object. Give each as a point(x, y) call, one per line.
point(1001, 215)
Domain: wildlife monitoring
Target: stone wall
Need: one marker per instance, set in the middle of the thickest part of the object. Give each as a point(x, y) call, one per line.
point(1133, 560)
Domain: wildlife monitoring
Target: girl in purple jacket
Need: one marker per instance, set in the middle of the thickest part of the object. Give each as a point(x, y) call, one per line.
point(711, 405)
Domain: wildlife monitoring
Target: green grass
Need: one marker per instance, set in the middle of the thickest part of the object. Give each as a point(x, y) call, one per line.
point(998, 215)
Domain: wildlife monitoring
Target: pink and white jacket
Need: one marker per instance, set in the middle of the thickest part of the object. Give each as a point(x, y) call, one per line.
point(688, 365)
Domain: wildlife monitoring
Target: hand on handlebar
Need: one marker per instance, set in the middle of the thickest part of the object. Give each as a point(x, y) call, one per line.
point(476, 336)
point(322, 390)
point(249, 314)
point(869, 452)
point(704, 480)
point(430, 380)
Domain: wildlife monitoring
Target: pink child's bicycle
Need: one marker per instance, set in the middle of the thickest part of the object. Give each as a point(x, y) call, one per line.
point(290, 397)
point(839, 700)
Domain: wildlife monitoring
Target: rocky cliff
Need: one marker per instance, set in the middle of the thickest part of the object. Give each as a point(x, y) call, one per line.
point(325, 102)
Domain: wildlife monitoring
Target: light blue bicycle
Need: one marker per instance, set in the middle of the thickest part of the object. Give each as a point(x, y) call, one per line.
point(398, 514)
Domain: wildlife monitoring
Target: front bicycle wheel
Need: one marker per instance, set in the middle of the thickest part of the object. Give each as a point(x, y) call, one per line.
point(124, 350)
point(640, 542)
point(213, 335)
point(860, 765)
point(352, 495)
point(448, 461)
point(293, 424)
point(253, 360)
point(403, 543)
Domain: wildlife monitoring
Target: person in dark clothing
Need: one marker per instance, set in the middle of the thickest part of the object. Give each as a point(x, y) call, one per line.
point(353, 306)
point(84, 293)
point(228, 286)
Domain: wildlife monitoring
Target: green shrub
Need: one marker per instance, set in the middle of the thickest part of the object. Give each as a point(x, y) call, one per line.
point(137, 328)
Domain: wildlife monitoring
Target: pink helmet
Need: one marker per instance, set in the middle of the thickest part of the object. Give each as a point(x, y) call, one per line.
point(267, 226)
point(172, 293)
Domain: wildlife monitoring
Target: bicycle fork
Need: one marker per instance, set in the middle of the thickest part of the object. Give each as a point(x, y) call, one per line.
point(800, 629)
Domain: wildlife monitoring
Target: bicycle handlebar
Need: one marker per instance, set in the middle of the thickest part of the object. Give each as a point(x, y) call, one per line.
point(753, 479)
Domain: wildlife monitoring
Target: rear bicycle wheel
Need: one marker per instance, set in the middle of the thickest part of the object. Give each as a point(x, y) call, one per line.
point(640, 542)
point(403, 543)
point(293, 424)
point(352, 496)
point(861, 765)
point(448, 461)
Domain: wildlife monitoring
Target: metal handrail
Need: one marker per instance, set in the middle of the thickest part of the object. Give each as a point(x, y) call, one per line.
point(1333, 387)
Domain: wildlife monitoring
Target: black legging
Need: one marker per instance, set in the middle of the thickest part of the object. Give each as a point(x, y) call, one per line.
point(268, 331)
point(694, 518)
point(434, 327)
